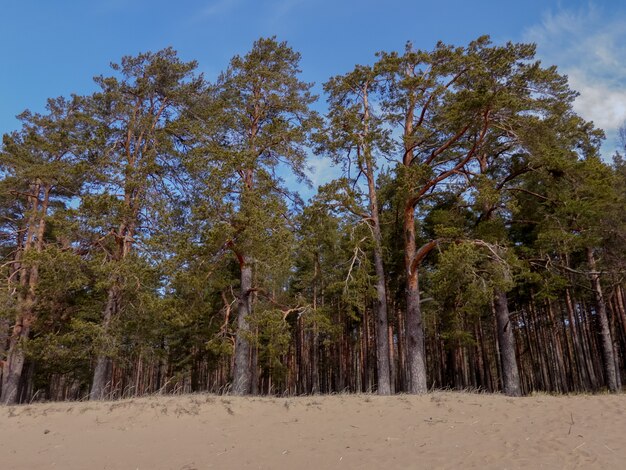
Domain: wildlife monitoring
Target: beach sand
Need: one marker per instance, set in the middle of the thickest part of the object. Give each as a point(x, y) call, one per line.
point(438, 430)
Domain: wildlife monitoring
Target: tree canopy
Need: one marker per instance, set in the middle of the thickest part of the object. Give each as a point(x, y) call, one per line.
point(473, 236)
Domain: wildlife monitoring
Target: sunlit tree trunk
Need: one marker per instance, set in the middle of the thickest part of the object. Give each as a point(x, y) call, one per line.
point(29, 277)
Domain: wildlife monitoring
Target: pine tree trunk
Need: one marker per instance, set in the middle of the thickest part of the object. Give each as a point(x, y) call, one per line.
point(561, 367)
point(4, 345)
point(242, 373)
point(254, 370)
point(100, 384)
point(506, 340)
point(606, 343)
point(621, 309)
point(615, 334)
point(315, 346)
point(14, 365)
point(382, 319)
point(315, 373)
point(579, 355)
point(393, 364)
point(572, 372)
point(485, 361)
point(589, 346)
point(29, 278)
point(402, 373)
point(101, 381)
point(382, 324)
point(416, 356)
point(416, 359)
point(5, 324)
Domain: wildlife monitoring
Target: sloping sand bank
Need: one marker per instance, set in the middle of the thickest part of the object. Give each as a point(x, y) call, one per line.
point(440, 430)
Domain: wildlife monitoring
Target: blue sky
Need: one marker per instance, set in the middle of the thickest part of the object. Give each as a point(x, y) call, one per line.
point(53, 48)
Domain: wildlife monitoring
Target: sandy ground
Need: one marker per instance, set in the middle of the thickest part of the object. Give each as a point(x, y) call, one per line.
point(439, 430)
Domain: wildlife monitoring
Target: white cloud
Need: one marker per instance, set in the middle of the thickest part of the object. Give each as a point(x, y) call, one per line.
point(322, 170)
point(589, 45)
point(319, 172)
point(599, 101)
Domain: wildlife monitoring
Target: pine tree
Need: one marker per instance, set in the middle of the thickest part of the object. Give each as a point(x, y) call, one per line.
point(42, 165)
point(135, 118)
point(258, 120)
point(355, 138)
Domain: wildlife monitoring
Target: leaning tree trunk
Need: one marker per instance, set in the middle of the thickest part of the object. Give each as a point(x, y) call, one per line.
point(9, 346)
point(29, 278)
point(14, 364)
point(242, 373)
point(606, 343)
point(5, 323)
point(100, 386)
point(382, 321)
point(506, 340)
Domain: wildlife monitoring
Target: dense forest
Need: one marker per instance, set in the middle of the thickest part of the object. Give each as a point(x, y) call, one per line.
point(153, 238)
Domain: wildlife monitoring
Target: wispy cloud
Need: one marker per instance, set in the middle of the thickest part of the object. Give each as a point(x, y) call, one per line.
point(279, 11)
point(108, 6)
point(283, 7)
point(216, 8)
point(589, 45)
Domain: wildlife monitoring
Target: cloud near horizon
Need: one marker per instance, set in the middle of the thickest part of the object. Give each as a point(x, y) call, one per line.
point(589, 46)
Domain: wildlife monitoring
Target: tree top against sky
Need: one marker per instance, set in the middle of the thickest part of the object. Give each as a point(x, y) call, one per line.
point(55, 48)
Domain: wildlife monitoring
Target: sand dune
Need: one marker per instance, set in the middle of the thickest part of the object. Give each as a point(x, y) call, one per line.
point(439, 430)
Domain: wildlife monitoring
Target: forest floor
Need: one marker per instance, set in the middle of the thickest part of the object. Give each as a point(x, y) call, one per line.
point(438, 430)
